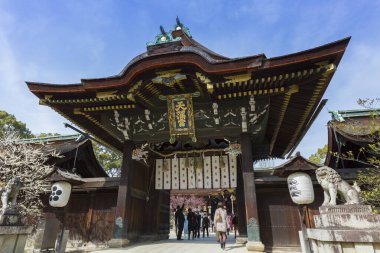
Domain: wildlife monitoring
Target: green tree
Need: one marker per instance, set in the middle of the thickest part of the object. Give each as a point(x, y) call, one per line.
point(9, 124)
point(29, 164)
point(108, 159)
point(320, 156)
point(369, 179)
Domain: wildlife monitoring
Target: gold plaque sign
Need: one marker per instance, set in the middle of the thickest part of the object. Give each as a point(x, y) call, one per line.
point(181, 117)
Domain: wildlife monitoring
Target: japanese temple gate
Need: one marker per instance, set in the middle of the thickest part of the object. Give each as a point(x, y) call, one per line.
point(199, 119)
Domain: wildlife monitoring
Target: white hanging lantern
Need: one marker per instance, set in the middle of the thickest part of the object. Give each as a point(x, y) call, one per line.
point(60, 194)
point(301, 188)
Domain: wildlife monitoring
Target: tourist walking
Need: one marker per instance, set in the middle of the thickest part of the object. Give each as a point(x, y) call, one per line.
point(179, 221)
point(235, 222)
point(205, 224)
point(198, 219)
point(220, 221)
point(186, 226)
point(229, 227)
point(191, 223)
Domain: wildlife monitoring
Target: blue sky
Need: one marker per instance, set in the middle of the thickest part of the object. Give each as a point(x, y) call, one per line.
point(64, 41)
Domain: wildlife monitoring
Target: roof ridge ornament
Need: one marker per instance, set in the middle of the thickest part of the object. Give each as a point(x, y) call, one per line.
point(337, 116)
point(180, 26)
point(166, 37)
point(163, 37)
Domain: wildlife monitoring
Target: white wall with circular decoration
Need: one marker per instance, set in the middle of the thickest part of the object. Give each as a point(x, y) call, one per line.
point(301, 188)
point(60, 194)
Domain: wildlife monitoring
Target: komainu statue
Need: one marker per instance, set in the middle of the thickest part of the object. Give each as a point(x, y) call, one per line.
point(9, 194)
point(332, 184)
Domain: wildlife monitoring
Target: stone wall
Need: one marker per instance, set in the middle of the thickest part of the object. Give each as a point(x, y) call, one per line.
point(345, 229)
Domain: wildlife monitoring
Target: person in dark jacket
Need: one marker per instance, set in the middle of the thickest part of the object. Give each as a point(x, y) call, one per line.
point(192, 222)
point(198, 218)
point(235, 221)
point(205, 224)
point(179, 221)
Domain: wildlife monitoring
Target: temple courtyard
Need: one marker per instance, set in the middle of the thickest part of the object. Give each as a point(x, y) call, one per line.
point(200, 245)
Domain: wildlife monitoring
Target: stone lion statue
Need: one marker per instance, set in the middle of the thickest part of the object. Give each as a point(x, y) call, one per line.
point(9, 193)
point(332, 184)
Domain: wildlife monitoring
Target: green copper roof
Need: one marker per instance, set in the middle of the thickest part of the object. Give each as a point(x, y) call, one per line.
point(342, 114)
point(51, 138)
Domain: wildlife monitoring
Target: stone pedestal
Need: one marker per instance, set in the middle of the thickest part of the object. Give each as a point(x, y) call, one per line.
point(241, 240)
point(345, 228)
point(10, 217)
point(13, 234)
point(255, 246)
point(13, 238)
point(118, 243)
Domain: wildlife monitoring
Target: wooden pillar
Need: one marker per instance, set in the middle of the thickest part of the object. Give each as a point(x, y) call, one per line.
point(122, 212)
point(164, 219)
point(152, 207)
point(253, 230)
point(90, 213)
point(240, 204)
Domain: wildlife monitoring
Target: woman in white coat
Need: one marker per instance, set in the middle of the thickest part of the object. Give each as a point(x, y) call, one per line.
point(185, 226)
point(220, 222)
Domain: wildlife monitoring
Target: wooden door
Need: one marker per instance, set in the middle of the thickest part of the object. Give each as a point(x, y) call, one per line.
point(279, 218)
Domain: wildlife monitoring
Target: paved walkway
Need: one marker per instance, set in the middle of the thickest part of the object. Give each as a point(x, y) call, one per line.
point(201, 245)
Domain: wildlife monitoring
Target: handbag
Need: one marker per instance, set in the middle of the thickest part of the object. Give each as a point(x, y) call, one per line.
point(218, 218)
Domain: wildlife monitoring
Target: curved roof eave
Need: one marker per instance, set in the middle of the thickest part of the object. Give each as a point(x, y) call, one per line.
point(185, 49)
point(198, 58)
point(205, 61)
point(329, 48)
